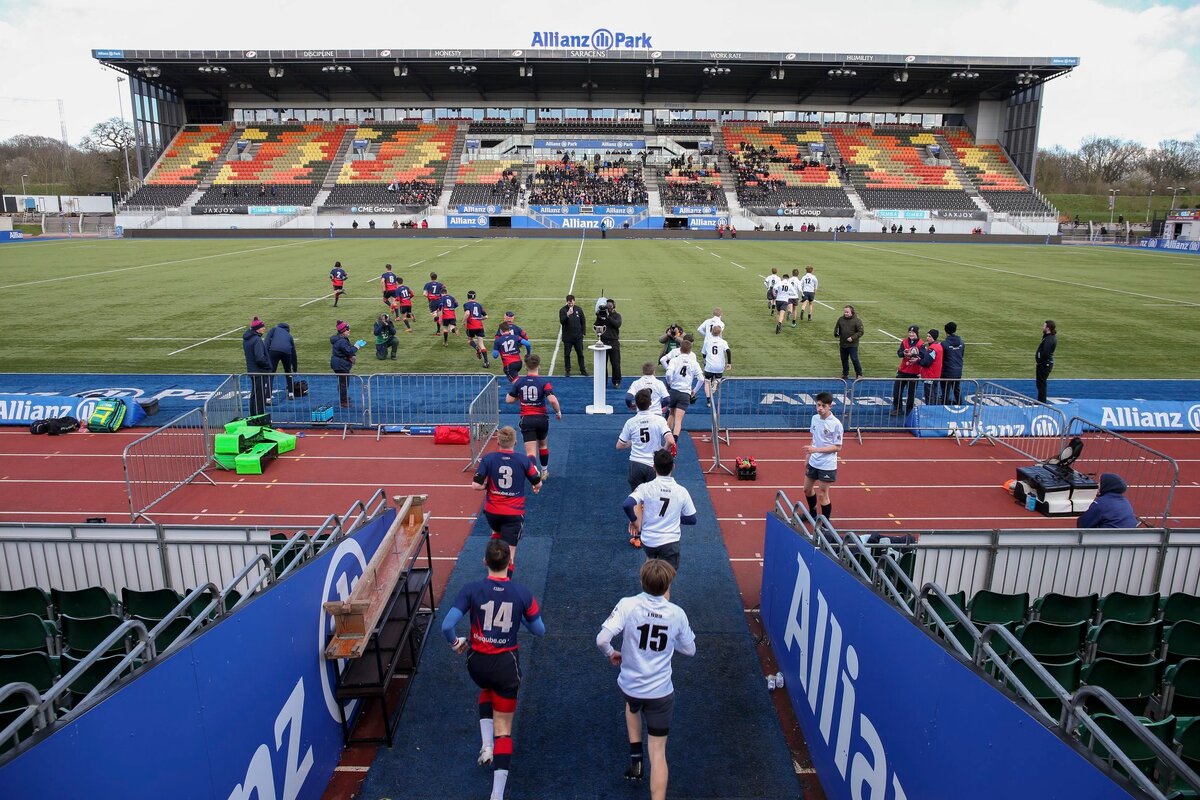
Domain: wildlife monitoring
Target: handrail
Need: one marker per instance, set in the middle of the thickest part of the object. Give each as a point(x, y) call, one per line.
point(64, 683)
point(144, 645)
point(984, 648)
point(33, 712)
point(196, 621)
point(266, 575)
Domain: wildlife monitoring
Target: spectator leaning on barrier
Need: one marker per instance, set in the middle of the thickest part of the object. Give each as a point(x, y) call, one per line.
point(1111, 508)
point(953, 350)
point(258, 363)
point(281, 348)
point(341, 360)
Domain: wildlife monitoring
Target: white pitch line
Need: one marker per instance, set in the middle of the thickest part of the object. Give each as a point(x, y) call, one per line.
point(439, 255)
point(318, 299)
point(1025, 275)
point(164, 339)
point(417, 263)
point(739, 266)
point(714, 255)
point(205, 341)
point(831, 308)
point(885, 333)
point(158, 264)
point(570, 290)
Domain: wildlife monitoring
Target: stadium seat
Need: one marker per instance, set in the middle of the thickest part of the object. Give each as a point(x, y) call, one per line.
point(1131, 684)
point(1127, 742)
point(1048, 641)
point(153, 604)
point(94, 601)
point(31, 600)
point(988, 607)
point(82, 635)
point(1065, 609)
point(167, 635)
point(1181, 640)
point(1177, 607)
point(1126, 641)
point(36, 669)
point(1067, 674)
point(1187, 745)
point(27, 633)
point(1129, 607)
point(1181, 688)
point(92, 676)
point(943, 612)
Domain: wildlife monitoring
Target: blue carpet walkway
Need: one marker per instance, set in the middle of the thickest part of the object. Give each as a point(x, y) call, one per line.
point(570, 734)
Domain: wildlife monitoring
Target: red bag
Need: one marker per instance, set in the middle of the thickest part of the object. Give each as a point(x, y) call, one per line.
point(451, 434)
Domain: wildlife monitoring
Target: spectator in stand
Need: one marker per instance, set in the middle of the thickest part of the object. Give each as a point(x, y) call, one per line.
point(281, 348)
point(258, 363)
point(341, 360)
point(953, 350)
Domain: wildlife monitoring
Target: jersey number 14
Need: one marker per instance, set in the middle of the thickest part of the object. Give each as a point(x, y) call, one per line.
point(497, 619)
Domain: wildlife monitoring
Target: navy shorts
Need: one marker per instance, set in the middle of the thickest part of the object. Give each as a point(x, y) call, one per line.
point(512, 370)
point(640, 473)
point(809, 296)
point(434, 306)
point(822, 475)
point(668, 552)
point(535, 428)
point(498, 672)
point(781, 305)
point(388, 294)
point(657, 712)
point(680, 400)
point(509, 526)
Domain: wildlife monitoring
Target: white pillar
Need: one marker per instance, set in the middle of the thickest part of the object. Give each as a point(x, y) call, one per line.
point(599, 400)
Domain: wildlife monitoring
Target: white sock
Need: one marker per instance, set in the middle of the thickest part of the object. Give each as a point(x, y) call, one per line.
point(486, 731)
point(499, 779)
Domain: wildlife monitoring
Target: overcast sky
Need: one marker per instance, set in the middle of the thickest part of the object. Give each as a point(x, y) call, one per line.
point(1137, 79)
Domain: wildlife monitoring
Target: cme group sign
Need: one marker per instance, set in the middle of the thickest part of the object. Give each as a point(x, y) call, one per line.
point(601, 39)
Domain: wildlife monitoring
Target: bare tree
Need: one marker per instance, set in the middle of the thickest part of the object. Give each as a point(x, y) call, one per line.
point(110, 138)
point(1106, 159)
point(1173, 161)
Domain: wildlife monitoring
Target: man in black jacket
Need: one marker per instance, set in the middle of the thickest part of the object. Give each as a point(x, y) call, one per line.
point(607, 316)
point(1044, 357)
point(281, 348)
point(570, 317)
point(953, 350)
point(258, 363)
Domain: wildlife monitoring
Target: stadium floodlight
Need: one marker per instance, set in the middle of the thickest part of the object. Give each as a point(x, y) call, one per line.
point(400, 71)
point(23, 177)
point(589, 85)
point(1174, 190)
point(525, 72)
point(716, 70)
point(275, 72)
point(900, 76)
point(1025, 78)
point(840, 72)
point(651, 72)
point(213, 69)
point(964, 76)
point(241, 85)
point(335, 68)
point(463, 68)
point(149, 71)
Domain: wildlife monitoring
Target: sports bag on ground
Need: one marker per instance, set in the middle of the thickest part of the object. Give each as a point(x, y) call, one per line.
point(55, 425)
point(451, 434)
point(107, 416)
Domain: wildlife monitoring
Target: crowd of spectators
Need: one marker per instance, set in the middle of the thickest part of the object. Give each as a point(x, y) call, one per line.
point(413, 193)
point(754, 167)
point(691, 194)
point(575, 183)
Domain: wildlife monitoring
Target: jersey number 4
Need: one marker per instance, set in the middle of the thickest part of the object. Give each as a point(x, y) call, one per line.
point(653, 637)
point(500, 619)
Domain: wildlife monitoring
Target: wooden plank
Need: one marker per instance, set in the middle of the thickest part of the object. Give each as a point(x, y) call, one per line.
point(356, 616)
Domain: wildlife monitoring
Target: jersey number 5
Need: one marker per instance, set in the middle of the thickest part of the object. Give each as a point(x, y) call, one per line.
point(653, 637)
point(644, 435)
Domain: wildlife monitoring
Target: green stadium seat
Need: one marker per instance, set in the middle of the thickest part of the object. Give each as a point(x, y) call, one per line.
point(94, 601)
point(31, 600)
point(36, 669)
point(1132, 684)
point(943, 612)
point(198, 605)
point(153, 604)
point(1181, 640)
point(167, 635)
point(92, 676)
point(1125, 641)
point(1067, 674)
point(1180, 607)
point(1050, 642)
point(1129, 607)
point(27, 633)
point(1127, 742)
point(1065, 609)
point(1187, 746)
point(82, 635)
point(989, 607)
point(1181, 688)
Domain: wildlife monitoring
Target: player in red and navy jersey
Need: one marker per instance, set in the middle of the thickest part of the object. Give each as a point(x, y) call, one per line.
point(337, 277)
point(402, 305)
point(389, 282)
point(534, 393)
point(433, 293)
point(475, 314)
point(496, 607)
point(503, 475)
point(510, 318)
point(507, 347)
point(449, 320)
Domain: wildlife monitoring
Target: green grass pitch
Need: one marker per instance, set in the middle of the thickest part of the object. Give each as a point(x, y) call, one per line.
point(180, 306)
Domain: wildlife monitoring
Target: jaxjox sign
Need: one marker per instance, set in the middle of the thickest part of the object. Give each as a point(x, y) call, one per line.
point(599, 39)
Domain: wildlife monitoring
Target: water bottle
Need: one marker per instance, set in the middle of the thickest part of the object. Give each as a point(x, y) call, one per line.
point(778, 680)
point(1031, 502)
point(771, 683)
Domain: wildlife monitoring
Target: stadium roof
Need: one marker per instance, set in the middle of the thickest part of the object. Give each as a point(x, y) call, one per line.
point(593, 76)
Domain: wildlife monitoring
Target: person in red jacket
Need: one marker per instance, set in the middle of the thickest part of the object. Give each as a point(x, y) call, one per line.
point(908, 372)
point(931, 367)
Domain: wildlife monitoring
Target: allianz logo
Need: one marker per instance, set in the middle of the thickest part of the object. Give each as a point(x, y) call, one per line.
point(828, 669)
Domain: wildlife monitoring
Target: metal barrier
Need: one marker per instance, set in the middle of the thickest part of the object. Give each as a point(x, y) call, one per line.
point(715, 431)
point(878, 404)
point(1035, 430)
point(422, 399)
point(1150, 475)
point(483, 417)
point(224, 406)
point(165, 459)
point(772, 404)
point(321, 405)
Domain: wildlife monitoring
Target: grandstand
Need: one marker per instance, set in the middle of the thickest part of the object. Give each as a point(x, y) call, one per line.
point(849, 139)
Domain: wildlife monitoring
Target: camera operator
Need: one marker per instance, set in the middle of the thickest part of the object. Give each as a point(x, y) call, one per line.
point(671, 339)
point(607, 316)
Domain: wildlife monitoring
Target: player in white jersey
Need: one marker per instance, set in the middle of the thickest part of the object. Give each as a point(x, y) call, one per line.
point(808, 290)
point(657, 510)
point(683, 379)
point(659, 396)
point(717, 359)
point(821, 471)
point(706, 327)
point(652, 630)
point(772, 282)
point(783, 297)
point(793, 286)
point(644, 434)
